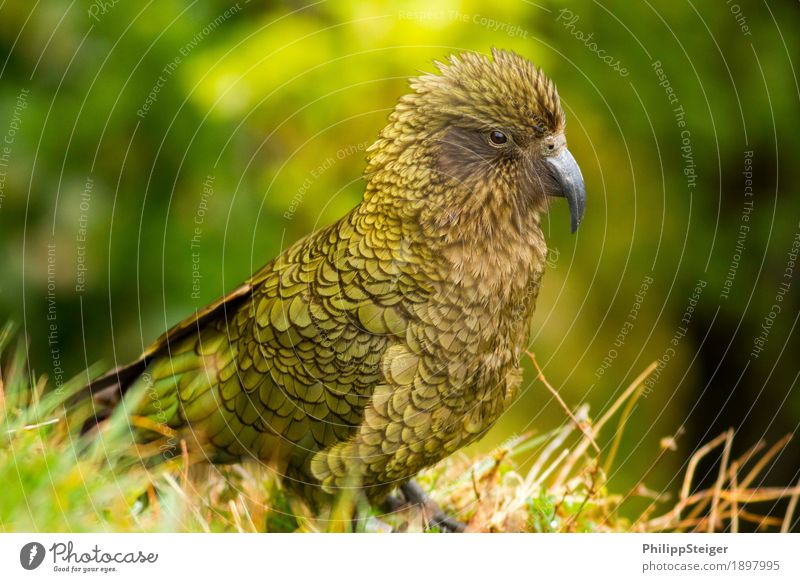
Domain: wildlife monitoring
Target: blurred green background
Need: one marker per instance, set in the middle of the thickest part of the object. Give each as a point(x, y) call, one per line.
point(154, 154)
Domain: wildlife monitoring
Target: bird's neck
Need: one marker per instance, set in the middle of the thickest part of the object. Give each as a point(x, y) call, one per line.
point(482, 239)
point(498, 264)
point(494, 258)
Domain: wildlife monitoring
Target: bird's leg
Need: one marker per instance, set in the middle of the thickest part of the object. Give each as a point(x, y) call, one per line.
point(415, 495)
point(392, 503)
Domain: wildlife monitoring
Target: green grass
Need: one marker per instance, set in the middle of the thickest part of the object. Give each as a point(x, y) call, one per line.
point(54, 479)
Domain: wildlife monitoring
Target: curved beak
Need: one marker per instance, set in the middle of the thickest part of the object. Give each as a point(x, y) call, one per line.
point(568, 176)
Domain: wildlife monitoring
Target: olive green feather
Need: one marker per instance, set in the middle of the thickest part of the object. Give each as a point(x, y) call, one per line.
point(379, 345)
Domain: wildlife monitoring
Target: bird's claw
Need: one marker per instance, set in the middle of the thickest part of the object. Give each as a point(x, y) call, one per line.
point(415, 495)
point(445, 523)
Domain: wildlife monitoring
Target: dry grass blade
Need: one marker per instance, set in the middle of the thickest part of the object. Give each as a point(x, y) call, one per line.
point(693, 462)
point(580, 450)
point(565, 489)
point(733, 473)
point(186, 463)
point(623, 420)
point(151, 425)
point(735, 503)
point(579, 495)
point(723, 467)
point(561, 402)
point(759, 466)
point(548, 450)
point(237, 518)
point(768, 456)
point(710, 508)
point(787, 519)
point(188, 502)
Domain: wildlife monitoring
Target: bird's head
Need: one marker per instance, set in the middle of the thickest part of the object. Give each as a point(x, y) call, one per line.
point(479, 146)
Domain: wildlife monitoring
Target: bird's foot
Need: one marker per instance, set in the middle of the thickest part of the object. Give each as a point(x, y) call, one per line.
point(415, 495)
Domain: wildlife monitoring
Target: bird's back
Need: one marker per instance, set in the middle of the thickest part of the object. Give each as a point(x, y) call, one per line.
point(285, 366)
point(352, 359)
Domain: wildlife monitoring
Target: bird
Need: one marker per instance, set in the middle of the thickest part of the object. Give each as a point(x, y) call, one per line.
point(379, 345)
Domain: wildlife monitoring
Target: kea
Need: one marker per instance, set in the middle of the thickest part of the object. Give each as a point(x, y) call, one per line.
point(375, 347)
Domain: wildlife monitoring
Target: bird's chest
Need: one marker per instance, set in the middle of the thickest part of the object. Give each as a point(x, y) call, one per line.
point(482, 323)
point(470, 346)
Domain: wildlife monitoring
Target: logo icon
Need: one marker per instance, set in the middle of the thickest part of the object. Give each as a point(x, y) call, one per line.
point(31, 555)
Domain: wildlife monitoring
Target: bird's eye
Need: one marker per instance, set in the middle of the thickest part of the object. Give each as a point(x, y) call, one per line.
point(497, 138)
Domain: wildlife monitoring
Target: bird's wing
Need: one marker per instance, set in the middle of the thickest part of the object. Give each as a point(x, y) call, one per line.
point(290, 358)
point(112, 385)
point(308, 346)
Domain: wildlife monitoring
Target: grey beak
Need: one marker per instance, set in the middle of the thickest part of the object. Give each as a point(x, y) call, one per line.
point(568, 175)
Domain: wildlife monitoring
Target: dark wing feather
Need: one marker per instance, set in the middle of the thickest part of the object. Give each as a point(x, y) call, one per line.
point(108, 389)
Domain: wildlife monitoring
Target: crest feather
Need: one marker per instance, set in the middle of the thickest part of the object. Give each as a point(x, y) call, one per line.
point(505, 84)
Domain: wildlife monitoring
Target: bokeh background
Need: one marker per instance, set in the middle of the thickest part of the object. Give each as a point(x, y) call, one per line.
point(154, 154)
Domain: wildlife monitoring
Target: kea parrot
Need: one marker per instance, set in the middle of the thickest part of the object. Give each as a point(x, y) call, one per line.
point(381, 344)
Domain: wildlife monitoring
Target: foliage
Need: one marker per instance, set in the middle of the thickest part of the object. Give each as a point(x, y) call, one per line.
point(56, 479)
